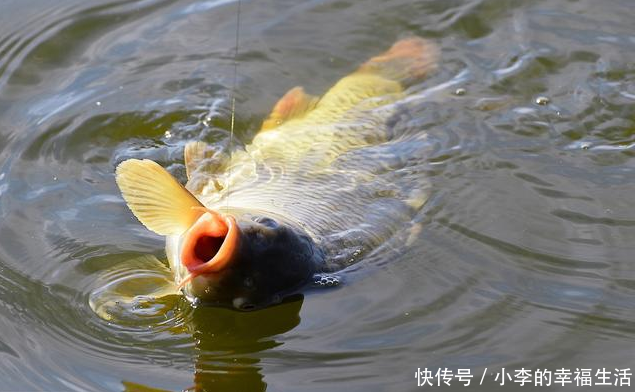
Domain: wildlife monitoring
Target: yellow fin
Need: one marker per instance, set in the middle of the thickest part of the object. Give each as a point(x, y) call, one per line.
point(294, 104)
point(407, 61)
point(157, 199)
point(203, 157)
point(194, 153)
point(383, 77)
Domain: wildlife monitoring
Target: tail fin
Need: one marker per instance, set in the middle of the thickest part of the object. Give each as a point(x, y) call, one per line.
point(407, 61)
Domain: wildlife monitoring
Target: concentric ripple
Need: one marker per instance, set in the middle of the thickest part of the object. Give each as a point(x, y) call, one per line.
point(522, 256)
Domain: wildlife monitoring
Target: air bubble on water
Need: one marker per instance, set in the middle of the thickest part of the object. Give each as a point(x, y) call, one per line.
point(460, 91)
point(167, 134)
point(326, 281)
point(207, 121)
point(543, 101)
point(98, 103)
point(585, 146)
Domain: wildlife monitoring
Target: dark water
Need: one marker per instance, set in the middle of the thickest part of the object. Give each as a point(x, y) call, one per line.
point(525, 260)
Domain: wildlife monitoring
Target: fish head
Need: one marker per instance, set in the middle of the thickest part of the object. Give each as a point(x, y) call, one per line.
point(243, 260)
point(240, 258)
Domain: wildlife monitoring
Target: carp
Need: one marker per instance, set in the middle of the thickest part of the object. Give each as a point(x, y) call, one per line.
point(325, 181)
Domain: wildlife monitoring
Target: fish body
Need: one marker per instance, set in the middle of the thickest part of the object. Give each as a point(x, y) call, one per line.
point(325, 180)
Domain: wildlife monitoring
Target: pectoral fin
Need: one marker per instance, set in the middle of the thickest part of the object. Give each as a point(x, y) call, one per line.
point(204, 158)
point(157, 199)
point(294, 104)
point(194, 153)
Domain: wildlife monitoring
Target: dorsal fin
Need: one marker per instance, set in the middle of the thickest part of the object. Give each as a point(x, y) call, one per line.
point(384, 77)
point(157, 199)
point(294, 104)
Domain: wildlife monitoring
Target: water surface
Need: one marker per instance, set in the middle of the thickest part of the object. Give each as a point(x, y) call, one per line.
point(526, 254)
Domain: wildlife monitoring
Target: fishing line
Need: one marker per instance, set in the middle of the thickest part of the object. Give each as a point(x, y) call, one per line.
point(233, 92)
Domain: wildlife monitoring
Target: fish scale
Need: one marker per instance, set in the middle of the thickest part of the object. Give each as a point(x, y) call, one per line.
point(325, 182)
point(329, 207)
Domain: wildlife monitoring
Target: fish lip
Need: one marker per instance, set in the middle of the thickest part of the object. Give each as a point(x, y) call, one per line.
point(211, 224)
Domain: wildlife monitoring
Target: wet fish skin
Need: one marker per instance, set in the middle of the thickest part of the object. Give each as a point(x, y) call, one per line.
point(272, 261)
point(287, 210)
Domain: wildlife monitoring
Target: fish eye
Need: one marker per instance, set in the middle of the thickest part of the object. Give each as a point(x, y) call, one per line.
point(242, 303)
point(268, 222)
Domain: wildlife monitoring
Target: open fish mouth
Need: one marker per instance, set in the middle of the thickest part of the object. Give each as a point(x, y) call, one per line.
point(257, 253)
point(209, 245)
